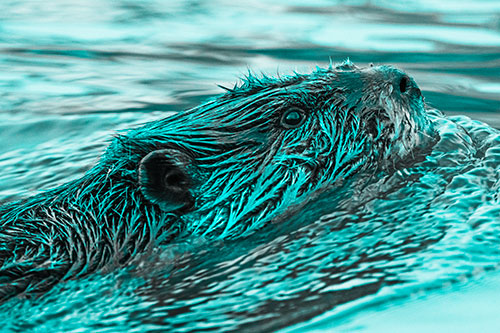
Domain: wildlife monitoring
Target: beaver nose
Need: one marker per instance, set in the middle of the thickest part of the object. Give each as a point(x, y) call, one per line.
point(405, 84)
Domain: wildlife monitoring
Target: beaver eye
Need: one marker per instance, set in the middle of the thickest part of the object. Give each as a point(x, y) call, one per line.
point(292, 118)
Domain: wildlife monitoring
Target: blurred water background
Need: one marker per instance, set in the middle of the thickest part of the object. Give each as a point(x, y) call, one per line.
point(74, 72)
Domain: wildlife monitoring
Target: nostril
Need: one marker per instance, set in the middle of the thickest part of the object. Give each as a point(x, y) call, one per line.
point(404, 83)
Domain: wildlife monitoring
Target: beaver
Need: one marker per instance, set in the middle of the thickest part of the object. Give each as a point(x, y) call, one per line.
point(223, 169)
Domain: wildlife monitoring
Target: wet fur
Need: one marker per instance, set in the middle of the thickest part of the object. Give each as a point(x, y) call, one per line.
point(245, 171)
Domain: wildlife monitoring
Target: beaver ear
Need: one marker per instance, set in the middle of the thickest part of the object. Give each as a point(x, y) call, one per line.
point(164, 180)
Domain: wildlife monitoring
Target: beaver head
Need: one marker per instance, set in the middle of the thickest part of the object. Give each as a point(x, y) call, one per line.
point(241, 160)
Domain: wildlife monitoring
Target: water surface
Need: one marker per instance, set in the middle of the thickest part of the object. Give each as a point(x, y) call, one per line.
point(73, 73)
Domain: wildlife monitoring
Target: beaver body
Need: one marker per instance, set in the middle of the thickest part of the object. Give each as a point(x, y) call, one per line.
point(224, 169)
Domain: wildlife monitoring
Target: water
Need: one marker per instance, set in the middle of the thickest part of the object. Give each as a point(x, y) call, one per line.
point(418, 256)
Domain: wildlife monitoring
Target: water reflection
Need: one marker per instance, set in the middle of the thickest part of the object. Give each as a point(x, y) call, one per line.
point(73, 73)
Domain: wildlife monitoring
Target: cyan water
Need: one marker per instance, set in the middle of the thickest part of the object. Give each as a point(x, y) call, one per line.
point(418, 251)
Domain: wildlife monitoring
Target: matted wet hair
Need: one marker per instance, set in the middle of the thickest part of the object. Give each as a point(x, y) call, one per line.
point(223, 170)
